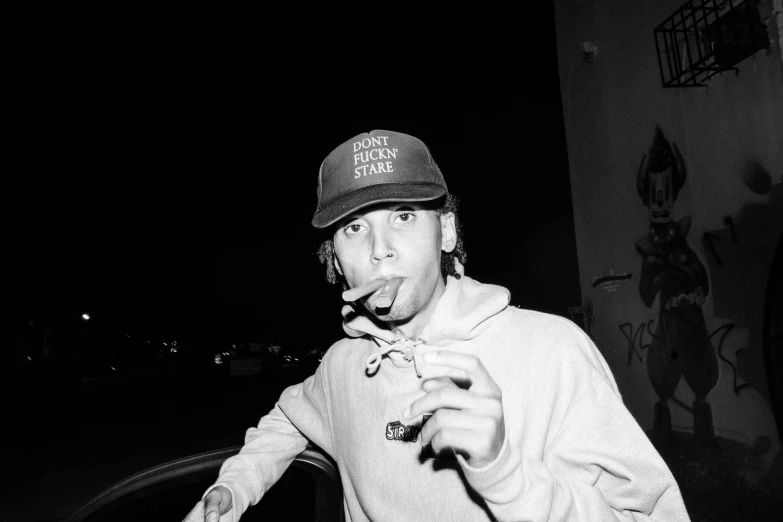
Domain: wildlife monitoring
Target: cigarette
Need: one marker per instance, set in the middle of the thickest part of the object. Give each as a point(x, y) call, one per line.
point(360, 291)
point(388, 293)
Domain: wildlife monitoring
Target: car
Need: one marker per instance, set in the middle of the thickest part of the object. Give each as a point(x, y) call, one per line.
point(309, 490)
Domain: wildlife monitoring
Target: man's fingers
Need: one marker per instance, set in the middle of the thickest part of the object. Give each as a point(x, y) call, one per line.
point(443, 397)
point(216, 503)
point(455, 399)
point(438, 382)
point(211, 513)
point(444, 419)
point(482, 381)
point(459, 440)
point(212, 506)
point(476, 437)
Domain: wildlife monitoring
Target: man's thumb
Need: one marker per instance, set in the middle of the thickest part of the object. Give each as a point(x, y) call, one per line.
point(216, 503)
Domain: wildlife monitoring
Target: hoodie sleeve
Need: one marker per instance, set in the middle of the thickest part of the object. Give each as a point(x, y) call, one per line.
point(599, 466)
point(300, 416)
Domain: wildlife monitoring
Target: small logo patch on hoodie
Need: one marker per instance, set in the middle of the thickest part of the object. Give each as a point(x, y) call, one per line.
point(399, 431)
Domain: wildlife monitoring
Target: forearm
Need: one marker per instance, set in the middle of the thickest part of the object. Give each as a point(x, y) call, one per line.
point(281, 435)
point(598, 465)
point(515, 488)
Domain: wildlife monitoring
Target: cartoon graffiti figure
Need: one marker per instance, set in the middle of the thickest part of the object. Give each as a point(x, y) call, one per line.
point(681, 346)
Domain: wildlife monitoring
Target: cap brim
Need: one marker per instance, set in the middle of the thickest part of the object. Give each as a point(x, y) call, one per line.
point(381, 193)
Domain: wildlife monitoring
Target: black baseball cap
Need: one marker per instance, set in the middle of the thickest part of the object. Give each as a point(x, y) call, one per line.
point(375, 167)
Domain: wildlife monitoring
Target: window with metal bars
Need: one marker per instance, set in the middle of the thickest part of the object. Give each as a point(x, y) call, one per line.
point(705, 37)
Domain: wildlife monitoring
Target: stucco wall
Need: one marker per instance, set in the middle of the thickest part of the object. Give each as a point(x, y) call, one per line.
point(730, 135)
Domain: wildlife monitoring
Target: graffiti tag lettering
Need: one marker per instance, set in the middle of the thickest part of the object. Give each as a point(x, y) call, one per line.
point(726, 328)
point(632, 335)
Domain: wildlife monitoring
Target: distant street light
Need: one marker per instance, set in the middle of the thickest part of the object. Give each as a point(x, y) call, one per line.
point(86, 317)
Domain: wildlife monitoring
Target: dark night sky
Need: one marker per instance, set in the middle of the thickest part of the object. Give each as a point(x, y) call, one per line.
point(167, 200)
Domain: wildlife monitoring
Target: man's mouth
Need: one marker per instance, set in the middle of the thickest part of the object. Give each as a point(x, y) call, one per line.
point(381, 292)
point(387, 293)
point(360, 291)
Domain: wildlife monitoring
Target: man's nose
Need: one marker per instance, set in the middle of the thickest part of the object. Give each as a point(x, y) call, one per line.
point(381, 246)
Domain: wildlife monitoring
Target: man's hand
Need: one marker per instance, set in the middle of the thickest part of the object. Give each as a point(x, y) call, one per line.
point(210, 508)
point(468, 421)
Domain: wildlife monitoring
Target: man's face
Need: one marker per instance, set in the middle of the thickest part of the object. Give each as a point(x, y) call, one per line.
point(392, 240)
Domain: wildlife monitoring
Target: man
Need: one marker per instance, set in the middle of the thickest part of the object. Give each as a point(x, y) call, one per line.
point(448, 404)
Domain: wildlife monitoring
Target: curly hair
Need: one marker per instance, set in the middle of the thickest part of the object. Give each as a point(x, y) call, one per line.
point(444, 205)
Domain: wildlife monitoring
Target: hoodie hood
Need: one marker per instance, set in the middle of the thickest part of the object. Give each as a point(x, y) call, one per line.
point(460, 315)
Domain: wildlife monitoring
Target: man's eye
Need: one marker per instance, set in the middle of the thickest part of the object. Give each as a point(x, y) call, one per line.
point(405, 217)
point(353, 228)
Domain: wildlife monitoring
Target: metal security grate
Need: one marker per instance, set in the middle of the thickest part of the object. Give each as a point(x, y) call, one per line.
point(705, 37)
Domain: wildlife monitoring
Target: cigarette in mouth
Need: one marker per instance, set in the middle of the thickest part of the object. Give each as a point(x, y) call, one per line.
point(388, 293)
point(360, 291)
point(385, 297)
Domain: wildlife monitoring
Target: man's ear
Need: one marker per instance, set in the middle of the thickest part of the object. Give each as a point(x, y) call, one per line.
point(337, 264)
point(448, 231)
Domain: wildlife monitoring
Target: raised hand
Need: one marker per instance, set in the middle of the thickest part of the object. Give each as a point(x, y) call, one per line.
point(467, 421)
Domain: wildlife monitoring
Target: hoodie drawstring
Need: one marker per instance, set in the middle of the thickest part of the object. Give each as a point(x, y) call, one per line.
point(402, 345)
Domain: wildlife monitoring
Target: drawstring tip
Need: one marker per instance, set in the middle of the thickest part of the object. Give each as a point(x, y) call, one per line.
point(417, 363)
point(404, 346)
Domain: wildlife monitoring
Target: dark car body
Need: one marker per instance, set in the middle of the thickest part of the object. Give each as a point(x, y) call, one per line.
point(309, 490)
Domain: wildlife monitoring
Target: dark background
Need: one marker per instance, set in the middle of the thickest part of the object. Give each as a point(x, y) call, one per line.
point(172, 206)
point(166, 189)
point(161, 176)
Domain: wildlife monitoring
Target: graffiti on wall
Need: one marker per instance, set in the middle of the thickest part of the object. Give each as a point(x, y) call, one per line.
point(680, 347)
point(715, 324)
point(635, 338)
point(740, 256)
point(611, 281)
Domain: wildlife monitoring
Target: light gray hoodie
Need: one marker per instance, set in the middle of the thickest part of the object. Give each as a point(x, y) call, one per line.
point(572, 450)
